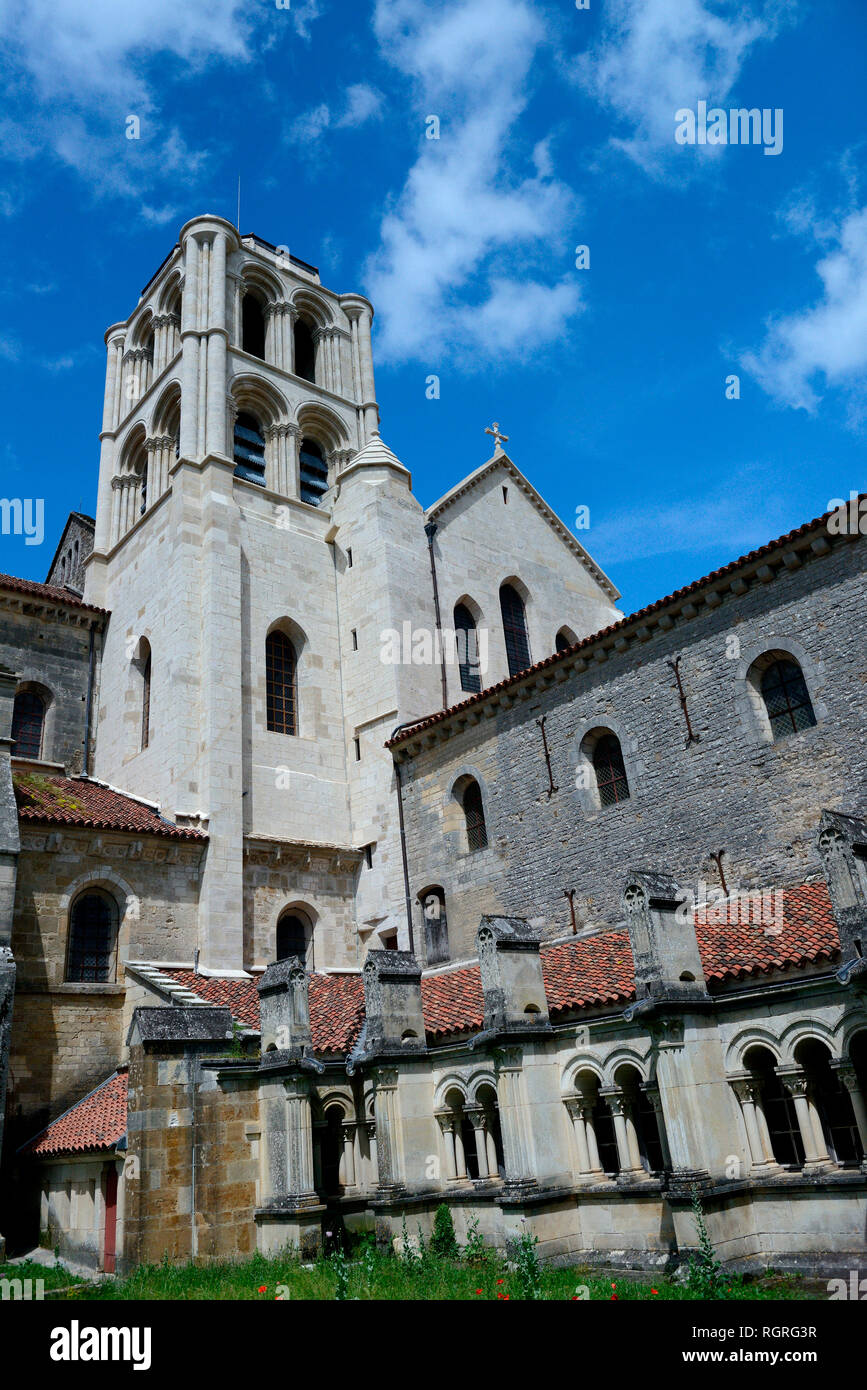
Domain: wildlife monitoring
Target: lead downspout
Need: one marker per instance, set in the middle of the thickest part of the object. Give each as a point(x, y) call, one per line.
point(430, 531)
point(399, 788)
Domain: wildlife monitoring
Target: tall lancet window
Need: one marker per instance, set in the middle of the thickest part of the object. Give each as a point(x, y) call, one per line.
point(280, 677)
point(515, 629)
point(249, 449)
point(468, 649)
point(314, 472)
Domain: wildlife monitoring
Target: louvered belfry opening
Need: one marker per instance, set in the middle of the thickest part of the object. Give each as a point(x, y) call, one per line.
point(514, 629)
point(313, 472)
point(280, 677)
point(249, 449)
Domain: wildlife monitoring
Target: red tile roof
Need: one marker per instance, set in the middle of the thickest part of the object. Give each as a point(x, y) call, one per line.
point(741, 938)
point(336, 1004)
point(587, 972)
point(47, 591)
point(679, 594)
point(96, 1122)
point(452, 1002)
point(80, 801)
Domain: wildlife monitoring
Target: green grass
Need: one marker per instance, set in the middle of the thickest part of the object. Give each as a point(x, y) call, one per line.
point(385, 1277)
point(53, 1277)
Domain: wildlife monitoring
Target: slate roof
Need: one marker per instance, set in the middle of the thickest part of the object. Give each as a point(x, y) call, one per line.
point(94, 1123)
point(81, 801)
point(47, 591)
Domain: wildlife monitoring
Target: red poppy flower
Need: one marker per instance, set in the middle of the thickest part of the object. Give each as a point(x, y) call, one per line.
point(478, 1291)
point(499, 1281)
point(654, 1290)
point(614, 1298)
point(263, 1288)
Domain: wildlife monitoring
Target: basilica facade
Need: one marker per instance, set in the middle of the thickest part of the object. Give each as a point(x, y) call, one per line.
point(357, 856)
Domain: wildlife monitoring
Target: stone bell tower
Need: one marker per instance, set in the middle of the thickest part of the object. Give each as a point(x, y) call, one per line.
point(239, 406)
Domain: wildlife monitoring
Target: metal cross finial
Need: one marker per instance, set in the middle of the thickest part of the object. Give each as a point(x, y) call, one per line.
point(499, 439)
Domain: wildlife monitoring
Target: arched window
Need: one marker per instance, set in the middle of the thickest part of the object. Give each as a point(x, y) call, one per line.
point(305, 351)
point(92, 938)
point(610, 772)
point(249, 449)
point(468, 648)
point(280, 678)
point(436, 927)
point(474, 814)
point(787, 698)
point(293, 936)
point(831, 1102)
point(146, 700)
point(313, 472)
point(514, 629)
point(252, 326)
point(28, 722)
point(564, 640)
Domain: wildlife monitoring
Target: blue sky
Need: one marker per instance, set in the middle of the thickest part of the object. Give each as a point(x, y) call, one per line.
point(557, 129)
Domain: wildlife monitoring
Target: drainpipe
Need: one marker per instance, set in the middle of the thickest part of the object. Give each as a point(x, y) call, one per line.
point(89, 704)
point(399, 788)
point(430, 531)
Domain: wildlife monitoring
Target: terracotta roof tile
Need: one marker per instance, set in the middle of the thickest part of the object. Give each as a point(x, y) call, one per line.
point(80, 801)
point(96, 1122)
point(453, 1002)
point(587, 972)
point(47, 591)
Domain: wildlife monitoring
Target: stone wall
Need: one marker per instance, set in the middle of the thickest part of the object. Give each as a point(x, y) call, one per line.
point(733, 790)
point(47, 646)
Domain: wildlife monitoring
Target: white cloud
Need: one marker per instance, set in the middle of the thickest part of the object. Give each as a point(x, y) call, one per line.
point(80, 67)
point(362, 104)
point(465, 222)
point(657, 56)
point(738, 518)
point(827, 342)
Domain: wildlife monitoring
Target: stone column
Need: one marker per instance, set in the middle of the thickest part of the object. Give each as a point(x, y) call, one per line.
point(575, 1108)
point(748, 1093)
point(347, 1158)
point(849, 1077)
point(655, 1099)
point(215, 434)
point(388, 1138)
point(815, 1152)
point(299, 1138)
point(517, 1140)
point(618, 1104)
point(460, 1157)
point(370, 1126)
point(491, 1146)
point(190, 350)
point(288, 331)
point(477, 1120)
point(632, 1138)
point(446, 1121)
